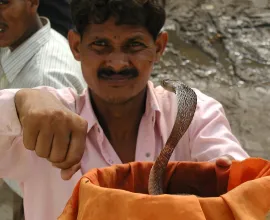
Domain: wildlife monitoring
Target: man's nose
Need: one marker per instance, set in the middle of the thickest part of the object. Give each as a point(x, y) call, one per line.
point(117, 61)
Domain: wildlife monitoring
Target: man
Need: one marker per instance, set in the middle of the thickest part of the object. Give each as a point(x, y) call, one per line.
point(119, 119)
point(32, 54)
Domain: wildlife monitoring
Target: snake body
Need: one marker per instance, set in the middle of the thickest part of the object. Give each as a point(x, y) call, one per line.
point(186, 102)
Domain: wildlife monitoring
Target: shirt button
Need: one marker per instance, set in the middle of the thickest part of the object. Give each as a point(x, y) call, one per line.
point(147, 154)
point(110, 161)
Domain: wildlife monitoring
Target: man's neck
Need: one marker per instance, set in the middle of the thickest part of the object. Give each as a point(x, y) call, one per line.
point(36, 24)
point(120, 121)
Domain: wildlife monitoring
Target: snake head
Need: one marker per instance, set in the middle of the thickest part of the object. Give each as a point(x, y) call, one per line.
point(171, 85)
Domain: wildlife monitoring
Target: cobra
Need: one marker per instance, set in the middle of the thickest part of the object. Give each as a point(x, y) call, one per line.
point(186, 107)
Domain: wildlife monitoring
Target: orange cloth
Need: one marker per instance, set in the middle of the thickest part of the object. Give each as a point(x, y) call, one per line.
point(240, 192)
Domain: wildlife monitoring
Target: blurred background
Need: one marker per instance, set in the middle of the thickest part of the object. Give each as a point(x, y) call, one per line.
point(223, 49)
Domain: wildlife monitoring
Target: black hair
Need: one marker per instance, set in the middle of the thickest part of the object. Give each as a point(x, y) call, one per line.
point(147, 13)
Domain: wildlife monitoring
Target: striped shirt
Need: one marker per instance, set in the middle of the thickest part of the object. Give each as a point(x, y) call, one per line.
point(43, 59)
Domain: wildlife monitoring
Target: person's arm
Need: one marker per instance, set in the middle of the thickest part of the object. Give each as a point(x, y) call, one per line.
point(210, 134)
point(14, 160)
point(34, 122)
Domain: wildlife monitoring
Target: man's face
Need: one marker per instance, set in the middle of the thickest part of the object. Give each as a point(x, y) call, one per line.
point(116, 60)
point(14, 21)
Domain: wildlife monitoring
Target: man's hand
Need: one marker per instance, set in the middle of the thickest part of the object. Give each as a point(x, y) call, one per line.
point(51, 130)
point(224, 161)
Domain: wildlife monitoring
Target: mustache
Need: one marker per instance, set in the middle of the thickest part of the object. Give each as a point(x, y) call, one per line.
point(107, 72)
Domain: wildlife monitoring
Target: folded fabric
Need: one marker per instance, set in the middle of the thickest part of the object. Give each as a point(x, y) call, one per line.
point(120, 192)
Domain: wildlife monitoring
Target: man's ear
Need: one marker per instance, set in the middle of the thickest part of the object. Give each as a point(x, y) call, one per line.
point(33, 5)
point(74, 40)
point(161, 43)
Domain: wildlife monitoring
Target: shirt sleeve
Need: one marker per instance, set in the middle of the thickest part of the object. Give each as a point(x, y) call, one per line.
point(72, 79)
point(16, 162)
point(210, 133)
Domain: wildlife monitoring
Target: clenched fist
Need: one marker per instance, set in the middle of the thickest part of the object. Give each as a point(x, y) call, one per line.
point(51, 130)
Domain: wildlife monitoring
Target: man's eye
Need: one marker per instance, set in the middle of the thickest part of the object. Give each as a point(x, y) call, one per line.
point(100, 43)
point(136, 44)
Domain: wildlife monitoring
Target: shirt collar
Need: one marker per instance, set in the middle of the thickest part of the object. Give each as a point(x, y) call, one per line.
point(151, 100)
point(151, 106)
point(13, 62)
point(87, 111)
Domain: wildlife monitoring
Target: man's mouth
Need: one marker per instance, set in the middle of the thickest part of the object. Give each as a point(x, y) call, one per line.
point(116, 76)
point(126, 74)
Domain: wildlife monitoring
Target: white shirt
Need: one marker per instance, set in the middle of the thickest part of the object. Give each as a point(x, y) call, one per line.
point(43, 59)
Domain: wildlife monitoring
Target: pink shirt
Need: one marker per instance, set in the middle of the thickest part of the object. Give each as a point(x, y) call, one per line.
point(45, 193)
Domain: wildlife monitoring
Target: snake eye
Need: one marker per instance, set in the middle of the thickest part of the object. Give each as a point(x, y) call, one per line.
point(165, 81)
